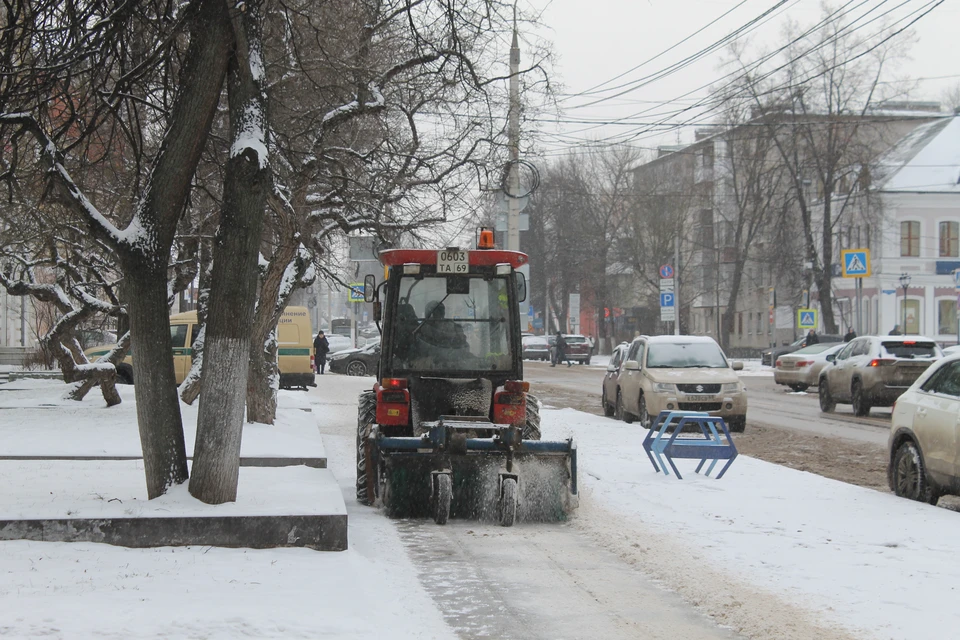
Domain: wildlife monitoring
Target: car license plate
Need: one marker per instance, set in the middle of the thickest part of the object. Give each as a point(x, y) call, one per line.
point(699, 398)
point(452, 262)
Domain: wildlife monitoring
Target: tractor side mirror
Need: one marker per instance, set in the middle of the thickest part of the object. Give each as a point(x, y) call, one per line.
point(369, 287)
point(737, 365)
point(377, 312)
point(521, 286)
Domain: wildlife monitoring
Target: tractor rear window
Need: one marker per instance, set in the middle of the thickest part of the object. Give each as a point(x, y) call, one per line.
point(441, 329)
point(905, 349)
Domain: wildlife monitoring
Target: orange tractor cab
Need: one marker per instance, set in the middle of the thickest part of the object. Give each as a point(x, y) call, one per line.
point(449, 429)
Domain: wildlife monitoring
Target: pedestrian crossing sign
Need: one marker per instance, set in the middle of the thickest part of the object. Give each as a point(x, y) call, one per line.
point(806, 318)
point(856, 263)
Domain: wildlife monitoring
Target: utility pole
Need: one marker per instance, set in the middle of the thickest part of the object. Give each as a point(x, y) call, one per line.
point(513, 143)
point(676, 283)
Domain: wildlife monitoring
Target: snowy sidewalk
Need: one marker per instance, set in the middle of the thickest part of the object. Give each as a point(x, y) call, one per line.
point(286, 495)
point(860, 558)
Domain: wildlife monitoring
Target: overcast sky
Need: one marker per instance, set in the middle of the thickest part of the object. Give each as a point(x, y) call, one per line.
point(597, 40)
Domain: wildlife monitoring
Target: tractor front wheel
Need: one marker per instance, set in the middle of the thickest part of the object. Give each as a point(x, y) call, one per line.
point(508, 502)
point(442, 497)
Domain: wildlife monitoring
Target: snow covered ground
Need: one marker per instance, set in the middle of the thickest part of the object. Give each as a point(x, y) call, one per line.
point(880, 566)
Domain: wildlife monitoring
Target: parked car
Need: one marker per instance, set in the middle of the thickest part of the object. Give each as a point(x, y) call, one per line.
point(873, 371)
point(949, 351)
point(578, 348)
point(535, 348)
point(338, 343)
point(924, 451)
point(609, 393)
point(356, 362)
point(687, 373)
point(801, 369)
point(769, 356)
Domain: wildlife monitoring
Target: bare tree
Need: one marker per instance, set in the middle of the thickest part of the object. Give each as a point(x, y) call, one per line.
point(98, 74)
point(818, 107)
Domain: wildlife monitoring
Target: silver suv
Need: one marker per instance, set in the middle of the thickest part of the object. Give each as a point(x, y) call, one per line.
point(873, 371)
point(685, 373)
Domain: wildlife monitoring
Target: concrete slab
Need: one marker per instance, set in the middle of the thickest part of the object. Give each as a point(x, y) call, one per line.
point(105, 501)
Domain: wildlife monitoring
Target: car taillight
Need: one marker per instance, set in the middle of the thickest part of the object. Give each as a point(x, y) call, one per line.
point(805, 363)
point(394, 383)
point(778, 364)
point(881, 362)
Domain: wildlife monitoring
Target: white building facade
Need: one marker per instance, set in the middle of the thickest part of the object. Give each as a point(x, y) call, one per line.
point(918, 243)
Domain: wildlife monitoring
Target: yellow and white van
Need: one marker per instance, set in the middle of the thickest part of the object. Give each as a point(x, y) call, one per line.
point(295, 354)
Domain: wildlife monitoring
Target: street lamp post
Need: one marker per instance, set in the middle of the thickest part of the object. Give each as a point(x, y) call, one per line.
point(905, 283)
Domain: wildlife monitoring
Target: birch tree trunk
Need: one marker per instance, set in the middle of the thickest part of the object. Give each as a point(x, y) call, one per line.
point(226, 355)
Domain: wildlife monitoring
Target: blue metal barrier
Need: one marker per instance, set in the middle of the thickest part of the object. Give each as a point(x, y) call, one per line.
point(662, 440)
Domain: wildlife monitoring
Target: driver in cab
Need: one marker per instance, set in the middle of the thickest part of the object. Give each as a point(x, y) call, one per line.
point(437, 331)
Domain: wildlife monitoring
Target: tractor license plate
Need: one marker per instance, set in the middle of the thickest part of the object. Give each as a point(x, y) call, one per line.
point(699, 398)
point(452, 262)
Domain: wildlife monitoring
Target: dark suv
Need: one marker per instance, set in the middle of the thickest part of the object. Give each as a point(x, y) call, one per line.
point(769, 356)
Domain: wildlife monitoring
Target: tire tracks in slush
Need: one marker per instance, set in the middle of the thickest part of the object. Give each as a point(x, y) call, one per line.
point(543, 581)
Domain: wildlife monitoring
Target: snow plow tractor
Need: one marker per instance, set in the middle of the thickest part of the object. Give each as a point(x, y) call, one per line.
point(449, 429)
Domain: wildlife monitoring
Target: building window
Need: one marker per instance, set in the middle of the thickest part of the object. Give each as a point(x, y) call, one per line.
point(947, 317)
point(949, 239)
point(910, 239)
point(912, 315)
point(740, 323)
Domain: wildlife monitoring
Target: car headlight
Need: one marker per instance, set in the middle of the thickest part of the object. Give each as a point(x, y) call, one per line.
point(730, 387)
point(664, 387)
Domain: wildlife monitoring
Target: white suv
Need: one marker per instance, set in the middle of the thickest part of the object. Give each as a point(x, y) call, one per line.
point(686, 373)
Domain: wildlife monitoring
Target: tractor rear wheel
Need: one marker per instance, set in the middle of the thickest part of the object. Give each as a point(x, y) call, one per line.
point(366, 418)
point(531, 428)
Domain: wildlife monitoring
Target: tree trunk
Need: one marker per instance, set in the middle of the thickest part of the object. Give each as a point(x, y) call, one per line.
point(824, 281)
point(264, 370)
point(233, 291)
point(729, 314)
point(263, 383)
point(158, 408)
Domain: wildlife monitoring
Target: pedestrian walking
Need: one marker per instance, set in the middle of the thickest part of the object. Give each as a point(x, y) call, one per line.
point(560, 351)
point(895, 331)
point(321, 347)
point(812, 338)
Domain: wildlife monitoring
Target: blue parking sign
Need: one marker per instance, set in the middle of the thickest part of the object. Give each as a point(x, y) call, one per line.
point(667, 299)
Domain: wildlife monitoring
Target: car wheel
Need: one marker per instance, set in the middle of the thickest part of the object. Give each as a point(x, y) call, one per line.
point(910, 475)
point(357, 368)
point(827, 403)
point(644, 416)
point(860, 405)
point(620, 413)
point(799, 387)
point(737, 424)
point(608, 409)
